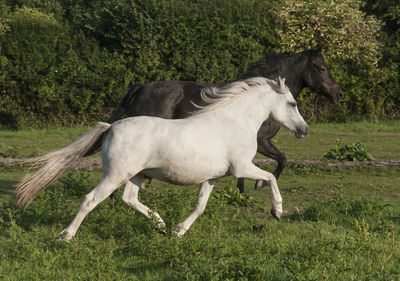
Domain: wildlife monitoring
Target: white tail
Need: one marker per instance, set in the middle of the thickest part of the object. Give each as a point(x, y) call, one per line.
point(53, 164)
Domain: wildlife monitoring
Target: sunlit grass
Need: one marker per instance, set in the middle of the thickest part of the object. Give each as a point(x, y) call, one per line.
point(338, 224)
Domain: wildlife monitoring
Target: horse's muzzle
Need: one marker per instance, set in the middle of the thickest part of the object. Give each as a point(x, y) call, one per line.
point(337, 97)
point(301, 132)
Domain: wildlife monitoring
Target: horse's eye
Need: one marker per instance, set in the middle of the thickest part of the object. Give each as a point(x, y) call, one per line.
point(293, 104)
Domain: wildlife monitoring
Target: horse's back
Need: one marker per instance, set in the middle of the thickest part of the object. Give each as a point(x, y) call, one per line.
point(165, 99)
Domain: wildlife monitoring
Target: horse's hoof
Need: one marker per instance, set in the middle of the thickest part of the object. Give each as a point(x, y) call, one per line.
point(179, 231)
point(162, 230)
point(276, 214)
point(64, 236)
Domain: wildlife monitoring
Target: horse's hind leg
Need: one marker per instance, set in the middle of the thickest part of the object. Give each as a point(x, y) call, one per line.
point(204, 192)
point(92, 199)
point(130, 197)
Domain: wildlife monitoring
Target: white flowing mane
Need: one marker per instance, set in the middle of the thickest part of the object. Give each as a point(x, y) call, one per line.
point(215, 97)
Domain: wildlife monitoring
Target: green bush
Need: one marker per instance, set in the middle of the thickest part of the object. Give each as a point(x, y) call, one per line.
point(50, 74)
point(231, 196)
point(205, 40)
point(349, 152)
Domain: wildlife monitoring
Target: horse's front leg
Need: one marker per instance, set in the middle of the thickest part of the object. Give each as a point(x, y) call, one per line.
point(266, 148)
point(251, 171)
point(204, 193)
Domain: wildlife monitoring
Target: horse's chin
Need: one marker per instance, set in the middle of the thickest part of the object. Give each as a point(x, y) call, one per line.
point(301, 133)
point(336, 98)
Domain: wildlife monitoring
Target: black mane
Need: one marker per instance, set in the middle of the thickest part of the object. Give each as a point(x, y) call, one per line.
point(271, 63)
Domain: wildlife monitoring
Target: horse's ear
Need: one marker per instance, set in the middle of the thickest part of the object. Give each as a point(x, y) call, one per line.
point(317, 50)
point(280, 80)
point(281, 83)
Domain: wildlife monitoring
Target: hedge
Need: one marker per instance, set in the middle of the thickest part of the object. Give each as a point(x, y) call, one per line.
point(70, 62)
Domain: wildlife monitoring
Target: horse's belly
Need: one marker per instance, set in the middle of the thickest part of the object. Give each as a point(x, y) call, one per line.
point(181, 174)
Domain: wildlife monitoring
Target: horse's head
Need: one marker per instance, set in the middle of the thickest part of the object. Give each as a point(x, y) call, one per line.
point(317, 77)
point(285, 110)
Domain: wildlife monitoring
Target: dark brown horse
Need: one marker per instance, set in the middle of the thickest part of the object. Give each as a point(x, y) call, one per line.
point(173, 99)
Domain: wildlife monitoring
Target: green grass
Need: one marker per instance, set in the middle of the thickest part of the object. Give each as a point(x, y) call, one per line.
point(338, 224)
point(29, 143)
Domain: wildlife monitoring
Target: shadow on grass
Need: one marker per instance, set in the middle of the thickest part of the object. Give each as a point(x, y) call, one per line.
point(143, 267)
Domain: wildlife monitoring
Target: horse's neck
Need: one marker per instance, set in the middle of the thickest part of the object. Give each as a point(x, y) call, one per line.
point(291, 68)
point(294, 72)
point(249, 110)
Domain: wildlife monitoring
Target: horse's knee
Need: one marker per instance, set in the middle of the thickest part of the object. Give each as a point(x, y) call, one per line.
point(129, 201)
point(282, 161)
point(89, 202)
point(200, 210)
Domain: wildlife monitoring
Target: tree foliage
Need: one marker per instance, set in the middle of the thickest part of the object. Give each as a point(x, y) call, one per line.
point(69, 62)
point(204, 40)
point(52, 75)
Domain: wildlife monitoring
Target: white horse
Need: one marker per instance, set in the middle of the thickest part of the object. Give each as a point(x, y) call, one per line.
point(196, 150)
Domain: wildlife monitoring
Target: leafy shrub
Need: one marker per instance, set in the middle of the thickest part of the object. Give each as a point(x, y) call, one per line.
point(231, 196)
point(349, 152)
point(50, 74)
point(207, 40)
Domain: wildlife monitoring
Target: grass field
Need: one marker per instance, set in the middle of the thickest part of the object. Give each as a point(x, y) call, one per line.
point(338, 224)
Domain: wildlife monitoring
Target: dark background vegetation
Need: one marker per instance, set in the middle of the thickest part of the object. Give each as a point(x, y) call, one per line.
point(69, 62)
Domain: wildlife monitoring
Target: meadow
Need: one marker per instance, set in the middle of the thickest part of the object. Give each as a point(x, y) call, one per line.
point(338, 223)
